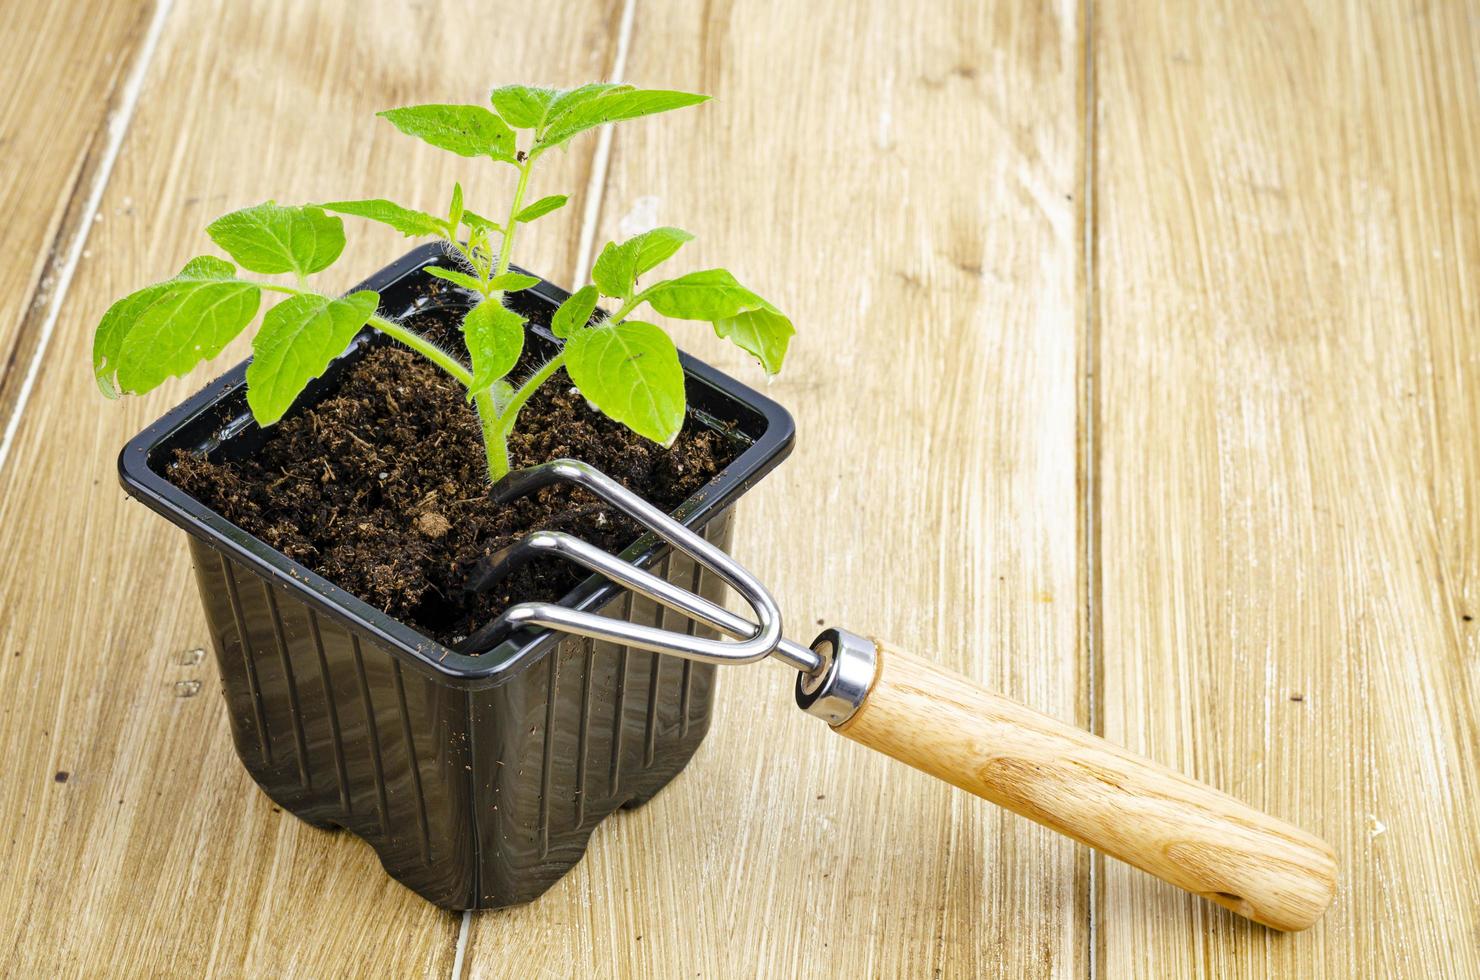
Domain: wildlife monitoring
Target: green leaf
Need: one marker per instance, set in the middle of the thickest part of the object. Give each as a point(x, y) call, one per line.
point(570, 99)
point(575, 312)
point(615, 269)
point(451, 275)
point(542, 207)
point(512, 282)
point(467, 130)
point(298, 339)
point(522, 106)
point(412, 224)
point(764, 333)
point(502, 393)
point(612, 106)
point(455, 209)
point(270, 238)
point(115, 325)
point(658, 246)
point(631, 372)
point(165, 330)
point(494, 335)
point(709, 295)
point(477, 221)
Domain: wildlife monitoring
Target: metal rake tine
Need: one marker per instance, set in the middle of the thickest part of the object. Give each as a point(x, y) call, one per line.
point(754, 640)
point(575, 549)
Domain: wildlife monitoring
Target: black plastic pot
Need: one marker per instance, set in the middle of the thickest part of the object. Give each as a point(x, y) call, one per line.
point(477, 779)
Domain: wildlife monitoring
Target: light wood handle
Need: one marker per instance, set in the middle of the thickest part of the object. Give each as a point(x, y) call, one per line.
point(1176, 828)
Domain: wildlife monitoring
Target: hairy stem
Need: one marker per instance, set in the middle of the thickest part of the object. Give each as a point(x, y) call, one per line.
point(495, 436)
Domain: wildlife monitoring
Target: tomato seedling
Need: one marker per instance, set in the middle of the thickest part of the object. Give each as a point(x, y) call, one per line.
point(627, 368)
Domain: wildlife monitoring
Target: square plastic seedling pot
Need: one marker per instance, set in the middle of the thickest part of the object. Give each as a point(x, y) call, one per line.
point(477, 779)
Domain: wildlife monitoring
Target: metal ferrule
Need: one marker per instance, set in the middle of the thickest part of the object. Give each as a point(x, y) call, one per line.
point(838, 689)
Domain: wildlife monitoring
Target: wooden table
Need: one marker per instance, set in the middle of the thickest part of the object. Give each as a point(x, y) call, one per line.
point(1138, 376)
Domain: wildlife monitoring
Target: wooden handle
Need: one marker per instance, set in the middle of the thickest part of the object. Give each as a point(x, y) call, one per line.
point(1176, 828)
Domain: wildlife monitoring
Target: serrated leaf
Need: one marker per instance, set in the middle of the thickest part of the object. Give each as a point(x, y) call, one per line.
point(612, 106)
point(522, 106)
point(631, 372)
point(189, 321)
point(494, 335)
point(615, 269)
point(512, 282)
point(658, 246)
point(467, 130)
point(452, 275)
point(124, 314)
point(542, 207)
point(272, 238)
point(712, 294)
point(298, 339)
point(411, 223)
point(765, 333)
point(114, 327)
point(575, 312)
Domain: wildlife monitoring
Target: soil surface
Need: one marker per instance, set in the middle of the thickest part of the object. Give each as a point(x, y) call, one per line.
point(382, 487)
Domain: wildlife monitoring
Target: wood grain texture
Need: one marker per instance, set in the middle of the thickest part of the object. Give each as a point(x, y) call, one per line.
point(1125, 805)
point(1279, 573)
point(1289, 457)
point(157, 855)
point(906, 188)
point(64, 68)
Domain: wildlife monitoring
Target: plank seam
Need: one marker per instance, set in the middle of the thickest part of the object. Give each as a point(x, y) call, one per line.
point(601, 159)
point(462, 945)
point(1089, 419)
point(117, 127)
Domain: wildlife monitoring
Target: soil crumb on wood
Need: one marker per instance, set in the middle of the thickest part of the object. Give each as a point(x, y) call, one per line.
point(382, 487)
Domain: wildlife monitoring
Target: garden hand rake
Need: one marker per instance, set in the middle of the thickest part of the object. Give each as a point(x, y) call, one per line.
point(942, 723)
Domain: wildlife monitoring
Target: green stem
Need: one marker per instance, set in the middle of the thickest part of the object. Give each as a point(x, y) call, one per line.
point(495, 436)
point(628, 307)
point(425, 348)
point(498, 424)
point(506, 248)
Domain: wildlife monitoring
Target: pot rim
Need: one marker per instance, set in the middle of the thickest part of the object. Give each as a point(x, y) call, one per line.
point(140, 479)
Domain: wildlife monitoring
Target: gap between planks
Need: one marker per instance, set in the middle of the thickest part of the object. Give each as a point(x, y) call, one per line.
point(1089, 483)
point(117, 127)
point(590, 218)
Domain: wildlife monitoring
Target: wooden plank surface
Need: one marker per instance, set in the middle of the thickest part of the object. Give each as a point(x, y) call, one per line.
point(909, 195)
point(157, 855)
point(1288, 232)
point(1215, 498)
point(65, 71)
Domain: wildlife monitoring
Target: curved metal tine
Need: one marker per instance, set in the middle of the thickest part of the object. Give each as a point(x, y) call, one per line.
point(592, 558)
point(758, 646)
point(660, 590)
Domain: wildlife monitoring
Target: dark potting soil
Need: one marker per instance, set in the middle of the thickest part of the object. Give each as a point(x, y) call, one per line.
point(382, 487)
